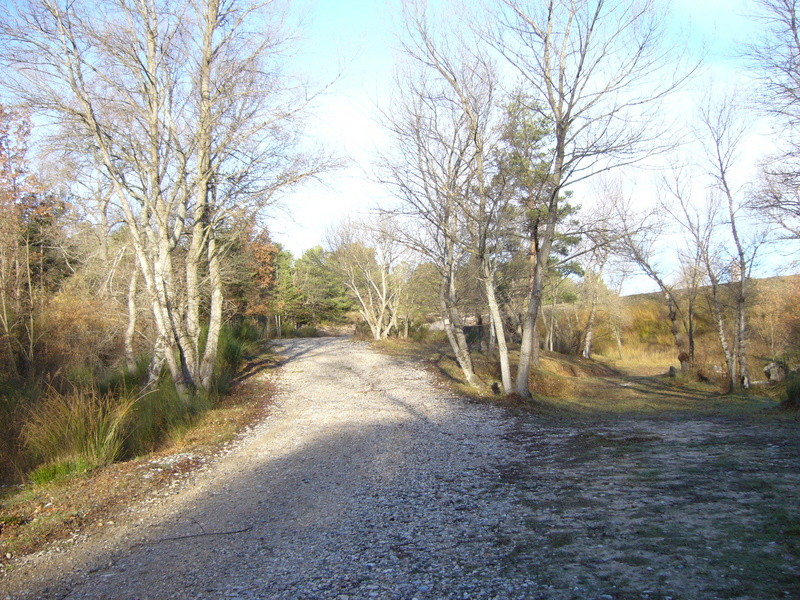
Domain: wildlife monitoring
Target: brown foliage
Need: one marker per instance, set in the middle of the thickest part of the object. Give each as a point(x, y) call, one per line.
point(256, 274)
point(78, 330)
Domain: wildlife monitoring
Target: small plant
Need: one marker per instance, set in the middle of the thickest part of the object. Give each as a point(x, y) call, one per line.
point(61, 469)
point(80, 426)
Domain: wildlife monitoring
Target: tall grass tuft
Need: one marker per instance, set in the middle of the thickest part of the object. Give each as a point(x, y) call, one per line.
point(83, 426)
point(157, 413)
point(236, 341)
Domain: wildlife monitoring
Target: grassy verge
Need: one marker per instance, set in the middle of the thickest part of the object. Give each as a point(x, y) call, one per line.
point(575, 385)
point(63, 503)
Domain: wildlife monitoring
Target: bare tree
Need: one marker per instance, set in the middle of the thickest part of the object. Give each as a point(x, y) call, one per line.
point(183, 112)
point(593, 281)
point(595, 68)
point(778, 199)
point(638, 244)
point(469, 83)
point(701, 222)
point(368, 256)
point(432, 168)
point(775, 60)
point(723, 132)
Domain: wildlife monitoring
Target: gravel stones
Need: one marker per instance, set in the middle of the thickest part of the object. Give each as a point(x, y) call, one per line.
point(368, 481)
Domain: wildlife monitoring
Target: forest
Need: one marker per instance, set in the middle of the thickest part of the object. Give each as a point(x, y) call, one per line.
point(142, 141)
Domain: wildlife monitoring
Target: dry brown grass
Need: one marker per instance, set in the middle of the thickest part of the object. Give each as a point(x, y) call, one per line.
point(574, 385)
point(642, 359)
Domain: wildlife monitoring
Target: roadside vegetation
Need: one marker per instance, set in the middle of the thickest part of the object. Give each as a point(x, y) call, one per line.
point(634, 367)
point(113, 450)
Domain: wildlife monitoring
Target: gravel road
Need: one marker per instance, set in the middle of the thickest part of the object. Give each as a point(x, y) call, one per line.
point(367, 481)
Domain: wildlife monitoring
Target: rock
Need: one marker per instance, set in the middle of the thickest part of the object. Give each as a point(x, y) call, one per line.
point(776, 371)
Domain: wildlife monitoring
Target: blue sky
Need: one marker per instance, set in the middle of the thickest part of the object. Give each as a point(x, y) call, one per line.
point(357, 38)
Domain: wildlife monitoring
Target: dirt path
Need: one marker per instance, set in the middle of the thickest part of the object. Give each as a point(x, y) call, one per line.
point(369, 481)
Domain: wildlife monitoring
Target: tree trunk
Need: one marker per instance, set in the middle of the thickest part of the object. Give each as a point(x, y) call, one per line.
point(130, 331)
point(723, 341)
point(454, 329)
point(741, 339)
point(496, 322)
point(588, 332)
point(156, 364)
point(690, 317)
point(618, 336)
point(215, 316)
point(680, 343)
point(493, 324)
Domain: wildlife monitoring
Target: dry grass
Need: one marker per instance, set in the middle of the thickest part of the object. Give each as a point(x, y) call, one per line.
point(82, 425)
point(575, 385)
point(642, 360)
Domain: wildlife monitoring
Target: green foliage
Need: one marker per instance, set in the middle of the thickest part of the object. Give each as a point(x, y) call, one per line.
point(157, 413)
point(420, 297)
point(286, 299)
point(83, 425)
point(324, 295)
point(58, 470)
point(235, 342)
point(99, 420)
point(120, 381)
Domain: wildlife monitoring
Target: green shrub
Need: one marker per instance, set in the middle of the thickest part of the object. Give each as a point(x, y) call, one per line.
point(792, 398)
point(121, 381)
point(83, 425)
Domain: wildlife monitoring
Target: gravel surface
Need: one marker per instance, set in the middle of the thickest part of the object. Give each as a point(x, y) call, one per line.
point(368, 481)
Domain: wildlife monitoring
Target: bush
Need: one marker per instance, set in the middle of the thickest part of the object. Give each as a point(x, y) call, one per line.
point(78, 334)
point(792, 399)
point(99, 420)
point(81, 426)
point(236, 341)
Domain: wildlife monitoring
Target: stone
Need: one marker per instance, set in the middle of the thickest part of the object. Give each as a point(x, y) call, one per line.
point(776, 371)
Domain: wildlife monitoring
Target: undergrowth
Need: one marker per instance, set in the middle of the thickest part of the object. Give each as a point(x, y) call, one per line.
point(83, 427)
point(96, 416)
point(791, 400)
